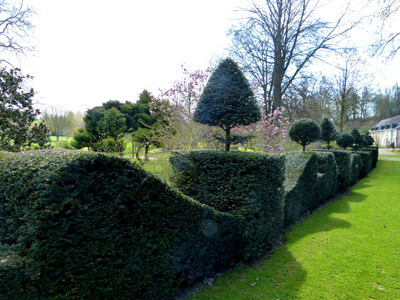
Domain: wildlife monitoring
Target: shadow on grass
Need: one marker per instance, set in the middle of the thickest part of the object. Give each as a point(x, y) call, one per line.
point(282, 275)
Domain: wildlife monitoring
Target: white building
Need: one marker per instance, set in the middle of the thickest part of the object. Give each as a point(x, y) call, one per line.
point(386, 132)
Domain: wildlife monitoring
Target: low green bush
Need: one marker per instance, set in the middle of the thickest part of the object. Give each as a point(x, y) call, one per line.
point(355, 165)
point(301, 176)
point(79, 225)
point(366, 162)
point(246, 185)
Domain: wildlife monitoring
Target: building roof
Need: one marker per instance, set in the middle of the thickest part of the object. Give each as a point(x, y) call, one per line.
point(389, 121)
point(388, 124)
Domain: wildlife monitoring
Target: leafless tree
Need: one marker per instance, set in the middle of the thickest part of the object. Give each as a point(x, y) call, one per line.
point(251, 48)
point(289, 36)
point(58, 119)
point(15, 29)
point(387, 37)
point(345, 89)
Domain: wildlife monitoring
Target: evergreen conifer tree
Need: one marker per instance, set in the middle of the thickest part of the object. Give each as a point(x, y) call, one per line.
point(328, 131)
point(227, 101)
point(305, 132)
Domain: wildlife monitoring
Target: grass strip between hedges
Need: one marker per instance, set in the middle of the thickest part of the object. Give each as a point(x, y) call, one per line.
point(347, 250)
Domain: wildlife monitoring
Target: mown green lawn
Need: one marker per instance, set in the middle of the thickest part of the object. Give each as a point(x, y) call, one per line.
point(350, 249)
point(390, 155)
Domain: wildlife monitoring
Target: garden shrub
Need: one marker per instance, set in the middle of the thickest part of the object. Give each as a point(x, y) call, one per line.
point(247, 185)
point(342, 159)
point(375, 154)
point(301, 176)
point(79, 225)
point(327, 176)
point(355, 166)
point(366, 162)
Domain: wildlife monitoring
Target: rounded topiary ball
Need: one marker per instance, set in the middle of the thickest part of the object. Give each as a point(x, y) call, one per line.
point(345, 140)
point(304, 132)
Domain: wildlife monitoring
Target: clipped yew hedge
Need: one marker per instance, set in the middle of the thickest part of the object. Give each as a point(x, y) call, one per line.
point(327, 176)
point(300, 184)
point(342, 159)
point(78, 225)
point(245, 185)
point(366, 162)
point(375, 154)
point(355, 166)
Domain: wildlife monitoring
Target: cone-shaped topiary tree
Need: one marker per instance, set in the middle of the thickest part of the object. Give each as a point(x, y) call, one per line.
point(328, 131)
point(358, 140)
point(227, 100)
point(345, 140)
point(304, 132)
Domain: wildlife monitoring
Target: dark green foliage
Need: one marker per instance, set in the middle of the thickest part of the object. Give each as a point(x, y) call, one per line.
point(345, 140)
point(327, 176)
point(328, 131)
point(370, 140)
point(114, 119)
point(305, 132)
point(247, 185)
point(342, 159)
point(17, 115)
point(96, 226)
point(358, 139)
point(366, 162)
point(375, 154)
point(355, 165)
point(80, 139)
point(227, 100)
point(300, 184)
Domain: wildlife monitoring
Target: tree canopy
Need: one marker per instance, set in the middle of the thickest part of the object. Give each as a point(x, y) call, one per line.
point(227, 100)
point(17, 115)
point(345, 140)
point(305, 132)
point(328, 131)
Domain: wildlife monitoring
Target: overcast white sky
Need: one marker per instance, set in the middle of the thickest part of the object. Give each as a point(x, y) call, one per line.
point(92, 51)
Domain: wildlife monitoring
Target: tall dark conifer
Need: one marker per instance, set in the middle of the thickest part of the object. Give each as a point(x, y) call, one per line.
point(227, 100)
point(328, 131)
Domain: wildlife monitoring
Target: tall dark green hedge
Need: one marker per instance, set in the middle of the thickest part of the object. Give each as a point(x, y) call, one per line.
point(375, 154)
point(78, 225)
point(342, 159)
point(327, 176)
point(246, 185)
point(355, 166)
point(300, 184)
point(366, 162)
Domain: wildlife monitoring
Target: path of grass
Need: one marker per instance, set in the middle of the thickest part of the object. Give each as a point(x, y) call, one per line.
point(347, 250)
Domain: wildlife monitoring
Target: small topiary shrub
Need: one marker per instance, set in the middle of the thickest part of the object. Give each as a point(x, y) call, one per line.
point(345, 140)
point(247, 185)
point(328, 131)
point(304, 132)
